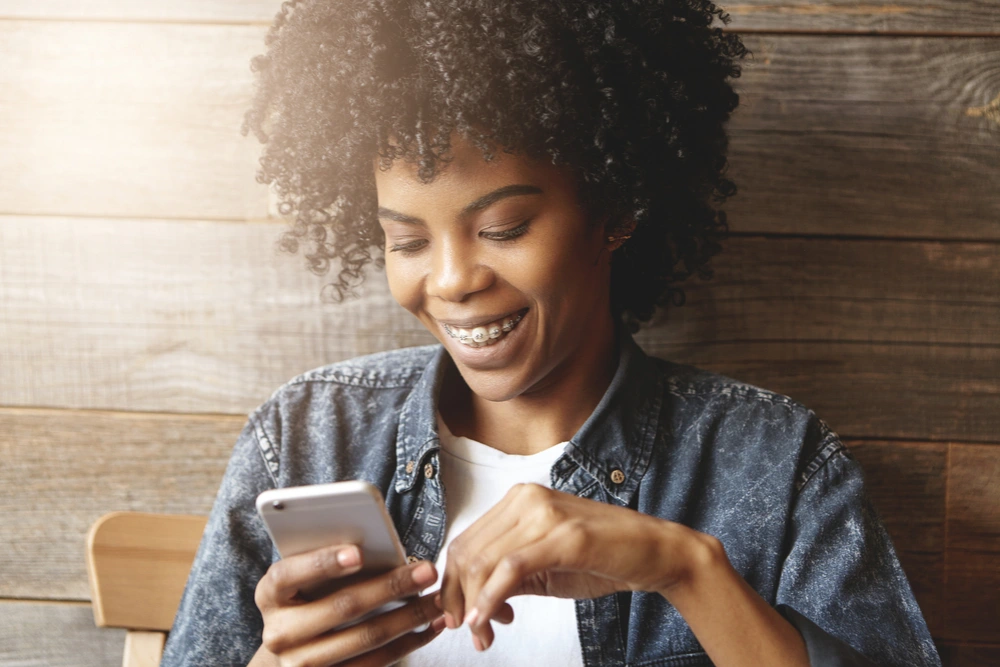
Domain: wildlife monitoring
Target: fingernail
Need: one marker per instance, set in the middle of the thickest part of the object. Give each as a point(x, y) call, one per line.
point(470, 618)
point(450, 621)
point(349, 557)
point(438, 625)
point(423, 574)
point(476, 643)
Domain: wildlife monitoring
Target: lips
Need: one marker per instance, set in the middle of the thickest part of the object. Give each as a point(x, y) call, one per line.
point(482, 332)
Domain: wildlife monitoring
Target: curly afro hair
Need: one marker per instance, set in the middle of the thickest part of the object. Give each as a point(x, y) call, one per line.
point(631, 95)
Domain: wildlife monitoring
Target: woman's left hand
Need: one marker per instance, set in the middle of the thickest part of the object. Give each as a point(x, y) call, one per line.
point(537, 541)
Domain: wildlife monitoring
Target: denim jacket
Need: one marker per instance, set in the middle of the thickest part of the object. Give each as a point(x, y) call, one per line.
point(755, 469)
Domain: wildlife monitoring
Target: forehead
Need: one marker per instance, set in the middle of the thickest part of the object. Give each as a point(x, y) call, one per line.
point(463, 178)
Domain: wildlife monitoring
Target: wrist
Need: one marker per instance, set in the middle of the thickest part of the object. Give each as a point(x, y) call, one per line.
point(697, 557)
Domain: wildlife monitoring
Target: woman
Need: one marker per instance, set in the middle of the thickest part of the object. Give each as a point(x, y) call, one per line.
point(540, 177)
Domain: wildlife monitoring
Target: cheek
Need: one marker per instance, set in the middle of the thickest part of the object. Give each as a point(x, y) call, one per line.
point(405, 283)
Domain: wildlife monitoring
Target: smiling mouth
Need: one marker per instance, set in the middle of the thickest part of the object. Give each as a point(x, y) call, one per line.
point(487, 334)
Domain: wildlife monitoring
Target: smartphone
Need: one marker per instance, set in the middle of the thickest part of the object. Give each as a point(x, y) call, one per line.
point(303, 518)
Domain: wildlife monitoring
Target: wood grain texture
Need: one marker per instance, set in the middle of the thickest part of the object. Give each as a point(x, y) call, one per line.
point(971, 609)
point(71, 468)
point(874, 16)
point(144, 649)
point(972, 562)
point(974, 499)
point(882, 339)
point(923, 16)
point(868, 136)
point(137, 567)
point(41, 634)
point(965, 655)
point(868, 390)
point(127, 119)
point(188, 11)
point(837, 135)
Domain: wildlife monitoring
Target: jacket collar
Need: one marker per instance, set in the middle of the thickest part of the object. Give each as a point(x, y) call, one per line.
point(617, 438)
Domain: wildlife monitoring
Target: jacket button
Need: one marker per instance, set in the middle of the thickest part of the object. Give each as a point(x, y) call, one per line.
point(409, 467)
point(617, 476)
point(429, 470)
point(411, 559)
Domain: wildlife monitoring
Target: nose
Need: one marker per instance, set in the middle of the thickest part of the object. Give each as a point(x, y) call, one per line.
point(457, 273)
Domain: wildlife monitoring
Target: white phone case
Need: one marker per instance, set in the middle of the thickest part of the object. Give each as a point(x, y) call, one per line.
point(303, 518)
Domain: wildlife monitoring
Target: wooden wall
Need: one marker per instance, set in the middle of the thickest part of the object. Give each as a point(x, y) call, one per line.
point(144, 309)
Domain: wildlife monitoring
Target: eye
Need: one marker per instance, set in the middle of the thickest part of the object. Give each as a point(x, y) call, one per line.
point(507, 234)
point(410, 248)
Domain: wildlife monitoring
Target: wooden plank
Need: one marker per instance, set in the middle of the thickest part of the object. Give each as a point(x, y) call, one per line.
point(55, 635)
point(906, 482)
point(69, 468)
point(917, 16)
point(971, 609)
point(203, 317)
point(138, 564)
point(126, 119)
point(874, 16)
point(860, 291)
point(844, 135)
point(966, 655)
point(974, 499)
point(882, 339)
point(972, 563)
point(189, 11)
point(868, 136)
point(868, 390)
point(144, 649)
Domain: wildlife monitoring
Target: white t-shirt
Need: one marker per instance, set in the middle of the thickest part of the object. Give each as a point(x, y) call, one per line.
point(475, 477)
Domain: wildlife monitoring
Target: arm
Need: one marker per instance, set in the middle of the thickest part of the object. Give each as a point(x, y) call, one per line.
point(732, 622)
point(841, 584)
point(217, 621)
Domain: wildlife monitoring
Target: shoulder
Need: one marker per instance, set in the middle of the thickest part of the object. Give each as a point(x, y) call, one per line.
point(328, 408)
point(384, 370)
point(762, 423)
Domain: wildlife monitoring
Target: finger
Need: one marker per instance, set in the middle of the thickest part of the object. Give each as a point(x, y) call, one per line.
point(452, 600)
point(291, 626)
point(289, 576)
point(500, 520)
point(504, 615)
point(367, 636)
point(475, 571)
point(508, 576)
point(398, 648)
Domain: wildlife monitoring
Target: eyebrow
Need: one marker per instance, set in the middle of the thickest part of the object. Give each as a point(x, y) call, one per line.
point(479, 204)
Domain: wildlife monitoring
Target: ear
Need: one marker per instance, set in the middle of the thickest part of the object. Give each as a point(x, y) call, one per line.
point(619, 233)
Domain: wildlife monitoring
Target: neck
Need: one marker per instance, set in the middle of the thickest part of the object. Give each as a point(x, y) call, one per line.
point(549, 413)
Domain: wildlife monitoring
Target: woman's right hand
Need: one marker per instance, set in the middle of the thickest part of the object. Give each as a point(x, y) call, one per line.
point(298, 625)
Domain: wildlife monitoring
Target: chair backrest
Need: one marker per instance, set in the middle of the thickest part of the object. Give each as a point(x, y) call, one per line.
point(138, 564)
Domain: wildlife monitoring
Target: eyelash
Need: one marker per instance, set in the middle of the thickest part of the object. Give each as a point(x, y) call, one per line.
point(504, 236)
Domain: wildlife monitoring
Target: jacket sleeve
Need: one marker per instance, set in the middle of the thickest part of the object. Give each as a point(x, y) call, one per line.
point(217, 622)
point(841, 584)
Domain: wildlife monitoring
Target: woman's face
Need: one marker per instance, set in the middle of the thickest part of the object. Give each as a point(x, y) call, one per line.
point(501, 264)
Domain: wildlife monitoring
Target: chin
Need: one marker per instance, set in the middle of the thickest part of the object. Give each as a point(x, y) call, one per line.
point(493, 386)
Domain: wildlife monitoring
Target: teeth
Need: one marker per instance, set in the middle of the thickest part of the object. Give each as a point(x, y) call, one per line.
point(484, 335)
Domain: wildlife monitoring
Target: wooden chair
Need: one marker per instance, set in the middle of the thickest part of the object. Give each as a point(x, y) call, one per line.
point(138, 564)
